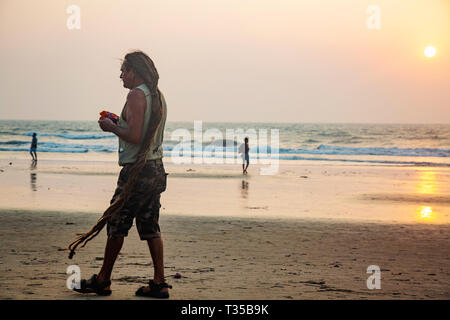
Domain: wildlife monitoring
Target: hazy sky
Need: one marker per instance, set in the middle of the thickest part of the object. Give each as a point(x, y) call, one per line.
point(230, 60)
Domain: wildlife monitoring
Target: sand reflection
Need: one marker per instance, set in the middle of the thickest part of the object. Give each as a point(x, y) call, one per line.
point(33, 176)
point(244, 189)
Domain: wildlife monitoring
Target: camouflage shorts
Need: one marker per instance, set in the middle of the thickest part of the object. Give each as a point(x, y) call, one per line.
point(143, 203)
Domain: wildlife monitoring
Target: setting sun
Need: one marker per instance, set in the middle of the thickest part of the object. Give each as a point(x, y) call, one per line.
point(430, 51)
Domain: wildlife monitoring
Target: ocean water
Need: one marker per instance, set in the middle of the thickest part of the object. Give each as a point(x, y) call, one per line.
point(387, 144)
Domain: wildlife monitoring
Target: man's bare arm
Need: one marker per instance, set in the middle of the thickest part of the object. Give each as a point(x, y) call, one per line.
point(136, 104)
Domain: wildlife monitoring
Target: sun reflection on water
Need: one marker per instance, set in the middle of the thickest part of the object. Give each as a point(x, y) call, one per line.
point(427, 183)
point(426, 213)
point(426, 186)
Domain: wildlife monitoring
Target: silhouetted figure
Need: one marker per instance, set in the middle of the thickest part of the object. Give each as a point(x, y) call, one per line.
point(244, 149)
point(140, 131)
point(33, 147)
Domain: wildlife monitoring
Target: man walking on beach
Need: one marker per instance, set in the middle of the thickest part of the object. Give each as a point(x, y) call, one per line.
point(33, 147)
point(134, 126)
point(244, 149)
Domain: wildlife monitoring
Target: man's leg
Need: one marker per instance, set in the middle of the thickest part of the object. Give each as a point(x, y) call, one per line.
point(156, 248)
point(112, 249)
point(147, 223)
point(247, 160)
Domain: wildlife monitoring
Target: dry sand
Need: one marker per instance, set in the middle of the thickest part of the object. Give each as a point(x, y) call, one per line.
point(224, 258)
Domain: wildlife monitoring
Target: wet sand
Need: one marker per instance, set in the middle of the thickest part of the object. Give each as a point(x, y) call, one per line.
point(385, 194)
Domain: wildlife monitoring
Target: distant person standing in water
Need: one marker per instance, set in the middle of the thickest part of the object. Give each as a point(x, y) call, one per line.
point(33, 147)
point(244, 149)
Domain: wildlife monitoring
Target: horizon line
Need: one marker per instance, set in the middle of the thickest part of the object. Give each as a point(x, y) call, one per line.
point(273, 122)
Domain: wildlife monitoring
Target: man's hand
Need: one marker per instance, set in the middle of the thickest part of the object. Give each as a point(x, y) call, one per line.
point(106, 124)
point(135, 110)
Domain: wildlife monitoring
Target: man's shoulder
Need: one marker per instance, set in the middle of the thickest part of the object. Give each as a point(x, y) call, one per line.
point(136, 98)
point(136, 93)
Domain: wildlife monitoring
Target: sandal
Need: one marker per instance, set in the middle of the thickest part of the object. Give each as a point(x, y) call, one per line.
point(94, 287)
point(155, 290)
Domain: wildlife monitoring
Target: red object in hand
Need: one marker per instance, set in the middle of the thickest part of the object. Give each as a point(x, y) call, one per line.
point(106, 114)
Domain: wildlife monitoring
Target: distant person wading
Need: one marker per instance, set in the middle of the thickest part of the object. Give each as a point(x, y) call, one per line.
point(140, 131)
point(33, 147)
point(244, 150)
